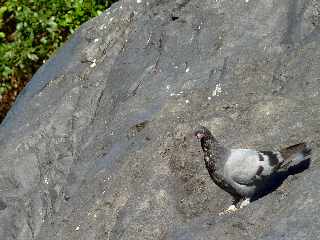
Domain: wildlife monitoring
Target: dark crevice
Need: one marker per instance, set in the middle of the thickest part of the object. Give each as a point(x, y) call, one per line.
point(174, 18)
point(3, 205)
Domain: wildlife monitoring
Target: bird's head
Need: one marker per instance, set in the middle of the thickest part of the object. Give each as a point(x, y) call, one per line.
point(202, 133)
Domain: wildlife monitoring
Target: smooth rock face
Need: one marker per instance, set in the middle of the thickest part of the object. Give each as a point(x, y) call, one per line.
point(99, 144)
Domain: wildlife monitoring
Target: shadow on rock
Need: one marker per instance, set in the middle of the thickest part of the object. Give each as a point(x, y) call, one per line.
point(279, 177)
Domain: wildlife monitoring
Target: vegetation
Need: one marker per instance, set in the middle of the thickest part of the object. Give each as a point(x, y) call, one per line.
point(31, 30)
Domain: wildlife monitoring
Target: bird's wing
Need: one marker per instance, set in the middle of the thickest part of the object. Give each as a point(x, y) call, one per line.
point(247, 166)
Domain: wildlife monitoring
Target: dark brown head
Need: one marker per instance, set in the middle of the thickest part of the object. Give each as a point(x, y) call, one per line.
point(208, 142)
point(202, 133)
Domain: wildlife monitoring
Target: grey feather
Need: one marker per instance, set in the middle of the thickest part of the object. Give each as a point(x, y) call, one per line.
point(243, 172)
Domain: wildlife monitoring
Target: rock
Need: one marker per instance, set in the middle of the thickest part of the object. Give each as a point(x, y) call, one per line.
point(99, 144)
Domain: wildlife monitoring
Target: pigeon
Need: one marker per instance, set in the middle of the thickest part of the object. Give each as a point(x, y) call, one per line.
point(243, 173)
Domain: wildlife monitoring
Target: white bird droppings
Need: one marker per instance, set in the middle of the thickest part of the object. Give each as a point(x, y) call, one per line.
point(139, 1)
point(187, 101)
point(217, 91)
point(93, 63)
point(77, 228)
point(188, 69)
point(209, 98)
point(46, 181)
point(96, 40)
point(148, 41)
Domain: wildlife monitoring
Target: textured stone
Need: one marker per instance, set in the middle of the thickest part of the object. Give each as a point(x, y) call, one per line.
point(99, 144)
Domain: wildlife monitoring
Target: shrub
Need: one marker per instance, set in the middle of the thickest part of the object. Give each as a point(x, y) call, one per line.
point(31, 30)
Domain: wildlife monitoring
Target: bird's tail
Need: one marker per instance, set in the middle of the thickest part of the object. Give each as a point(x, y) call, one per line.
point(294, 153)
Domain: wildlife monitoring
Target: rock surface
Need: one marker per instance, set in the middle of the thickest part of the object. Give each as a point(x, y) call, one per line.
point(99, 144)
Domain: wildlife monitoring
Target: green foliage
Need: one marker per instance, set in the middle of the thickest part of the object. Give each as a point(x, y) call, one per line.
point(31, 30)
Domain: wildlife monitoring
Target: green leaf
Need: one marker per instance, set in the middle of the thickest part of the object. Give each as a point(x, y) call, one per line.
point(32, 57)
point(36, 28)
point(44, 40)
point(6, 71)
point(19, 26)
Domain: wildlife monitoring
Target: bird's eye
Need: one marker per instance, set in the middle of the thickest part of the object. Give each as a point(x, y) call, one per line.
point(199, 135)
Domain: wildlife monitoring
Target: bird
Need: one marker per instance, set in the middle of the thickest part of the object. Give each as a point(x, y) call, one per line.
point(243, 173)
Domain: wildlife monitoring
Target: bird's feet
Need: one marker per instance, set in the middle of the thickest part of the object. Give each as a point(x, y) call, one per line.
point(233, 207)
point(244, 203)
point(229, 210)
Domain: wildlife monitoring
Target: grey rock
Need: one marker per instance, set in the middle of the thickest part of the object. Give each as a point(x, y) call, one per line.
point(99, 144)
